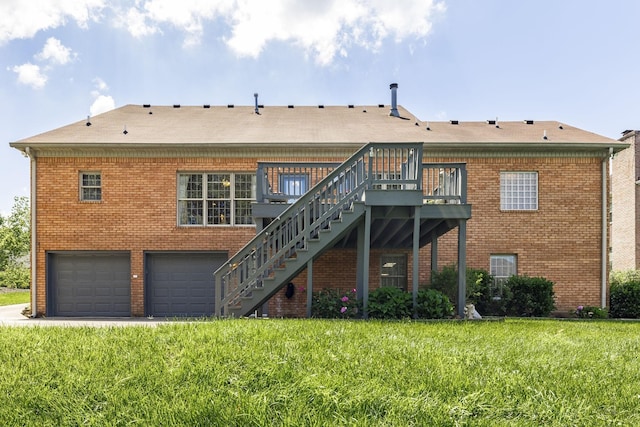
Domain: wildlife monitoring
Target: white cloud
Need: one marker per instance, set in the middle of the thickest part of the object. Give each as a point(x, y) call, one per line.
point(54, 52)
point(101, 86)
point(21, 19)
point(102, 104)
point(30, 75)
point(322, 29)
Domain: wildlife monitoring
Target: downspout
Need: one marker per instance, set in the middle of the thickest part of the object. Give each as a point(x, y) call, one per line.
point(34, 258)
point(605, 228)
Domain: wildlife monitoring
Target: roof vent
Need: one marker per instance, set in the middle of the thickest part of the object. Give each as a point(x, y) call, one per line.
point(230, 105)
point(290, 106)
point(125, 130)
point(146, 105)
point(453, 122)
point(560, 127)
point(88, 120)
point(528, 122)
point(491, 122)
point(544, 135)
point(350, 106)
point(255, 98)
point(260, 106)
point(428, 127)
point(394, 100)
point(176, 105)
point(206, 106)
point(380, 105)
point(320, 106)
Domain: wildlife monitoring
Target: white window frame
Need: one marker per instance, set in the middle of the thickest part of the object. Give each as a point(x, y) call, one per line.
point(393, 270)
point(212, 205)
point(293, 184)
point(518, 191)
point(90, 190)
point(501, 267)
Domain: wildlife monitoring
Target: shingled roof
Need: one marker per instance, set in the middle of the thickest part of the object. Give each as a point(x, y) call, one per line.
point(151, 126)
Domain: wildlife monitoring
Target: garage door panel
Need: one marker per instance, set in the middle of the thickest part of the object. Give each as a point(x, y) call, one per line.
point(181, 284)
point(89, 284)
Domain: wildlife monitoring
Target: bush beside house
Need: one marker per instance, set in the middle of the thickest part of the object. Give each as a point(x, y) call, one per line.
point(624, 298)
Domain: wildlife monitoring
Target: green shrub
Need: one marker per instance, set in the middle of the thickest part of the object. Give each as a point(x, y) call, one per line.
point(531, 296)
point(334, 304)
point(433, 304)
point(489, 298)
point(15, 276)
point(624, 276)
point(446, 281)
point(390, 303)
point(624, 297)
point(591, 312)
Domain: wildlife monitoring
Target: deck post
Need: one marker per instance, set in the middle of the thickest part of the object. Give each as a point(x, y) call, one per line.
point(416, 257)
point(462, 266)
point(309, 286)
point(366, 253)
point(434, 254)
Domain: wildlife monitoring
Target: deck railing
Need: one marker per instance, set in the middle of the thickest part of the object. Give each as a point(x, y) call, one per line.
point(445, 183)
point(376, 165)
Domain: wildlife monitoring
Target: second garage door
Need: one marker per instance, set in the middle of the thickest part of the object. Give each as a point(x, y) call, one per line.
point(180, 284)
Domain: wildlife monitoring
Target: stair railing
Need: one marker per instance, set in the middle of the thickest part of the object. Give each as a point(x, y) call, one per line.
point(376, 165)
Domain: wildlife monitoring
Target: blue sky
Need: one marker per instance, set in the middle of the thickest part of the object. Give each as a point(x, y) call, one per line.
point(575, 61)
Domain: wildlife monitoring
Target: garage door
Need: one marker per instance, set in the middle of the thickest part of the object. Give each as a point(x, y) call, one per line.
point(89, 284)
point(181, 284)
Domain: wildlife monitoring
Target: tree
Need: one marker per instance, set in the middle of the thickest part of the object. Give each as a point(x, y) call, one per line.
point(15, 237)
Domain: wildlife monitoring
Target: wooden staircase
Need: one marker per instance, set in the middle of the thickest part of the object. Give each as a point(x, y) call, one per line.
point(312, 225)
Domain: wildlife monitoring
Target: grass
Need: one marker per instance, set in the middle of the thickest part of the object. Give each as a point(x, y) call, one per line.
point(319, 373)
point(14, 297)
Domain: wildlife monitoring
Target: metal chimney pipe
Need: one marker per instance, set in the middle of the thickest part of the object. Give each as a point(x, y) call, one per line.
point(255, 95)
point(394, 100)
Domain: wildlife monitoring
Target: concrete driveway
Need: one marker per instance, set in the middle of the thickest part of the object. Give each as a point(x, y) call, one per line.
point(11, 315)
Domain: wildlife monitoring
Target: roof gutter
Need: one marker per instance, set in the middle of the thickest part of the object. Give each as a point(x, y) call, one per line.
point(34, 235)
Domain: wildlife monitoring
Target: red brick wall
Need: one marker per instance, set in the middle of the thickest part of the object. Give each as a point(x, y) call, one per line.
point(560, 241)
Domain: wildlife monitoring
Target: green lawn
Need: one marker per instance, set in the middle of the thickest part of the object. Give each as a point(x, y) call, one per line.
point(17, 297)
point(323, 373)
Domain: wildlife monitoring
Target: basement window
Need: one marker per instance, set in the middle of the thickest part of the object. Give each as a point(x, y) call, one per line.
point(90, 186)
point(501, 267)
point(216, 198)
point(519, 191)
point(393, 271)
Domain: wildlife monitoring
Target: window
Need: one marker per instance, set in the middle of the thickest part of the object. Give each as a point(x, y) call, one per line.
point(393, 270)
point(293, 184)
point(501, 268)
point(90, 186)
point(216, 198)
point(519, 191)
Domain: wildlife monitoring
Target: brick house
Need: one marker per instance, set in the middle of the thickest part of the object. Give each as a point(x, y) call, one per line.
point(135, 209)
point(625, 205)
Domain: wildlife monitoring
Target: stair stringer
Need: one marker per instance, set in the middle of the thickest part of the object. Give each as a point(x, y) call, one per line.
point(326, 239)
